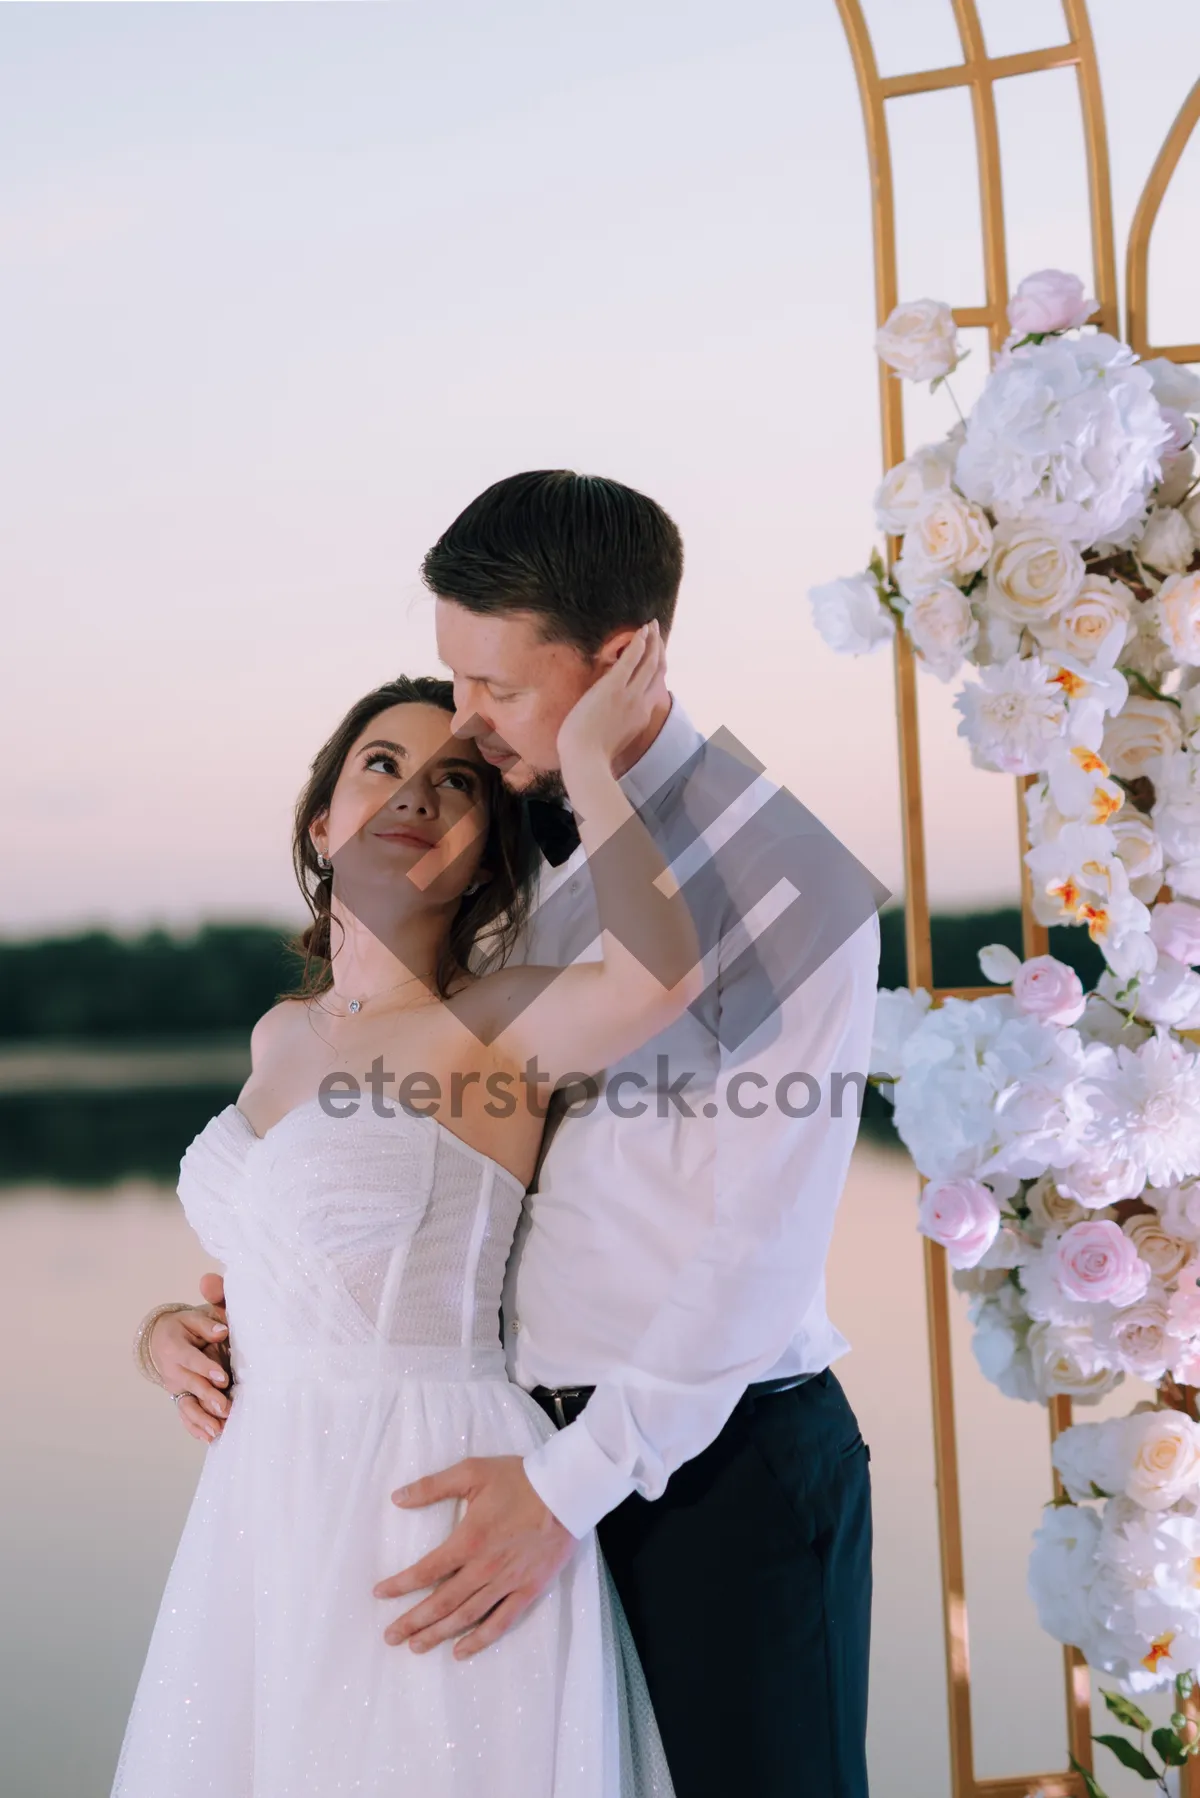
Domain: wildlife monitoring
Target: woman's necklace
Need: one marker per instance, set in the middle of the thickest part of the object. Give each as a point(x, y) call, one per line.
point(355, 1005)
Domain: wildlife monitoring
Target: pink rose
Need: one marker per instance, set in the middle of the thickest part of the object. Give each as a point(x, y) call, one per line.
point(1175, 930)
point(1049, 990)
point(1049, 301)
point(1096, 1262)
point(963, 1216)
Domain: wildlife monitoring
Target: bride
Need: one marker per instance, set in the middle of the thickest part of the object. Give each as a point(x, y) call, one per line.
point(363, 1194)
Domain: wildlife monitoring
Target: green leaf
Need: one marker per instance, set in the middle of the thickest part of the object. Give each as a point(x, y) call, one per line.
point(1168, 1745)
point(1125, 1711)
point(1128, 1755)
point(1091, 1786)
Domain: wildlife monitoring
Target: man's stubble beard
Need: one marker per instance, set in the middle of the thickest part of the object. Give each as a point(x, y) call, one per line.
point(546, 783)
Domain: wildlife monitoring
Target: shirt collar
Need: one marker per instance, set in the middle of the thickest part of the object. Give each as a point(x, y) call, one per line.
point(673, 747)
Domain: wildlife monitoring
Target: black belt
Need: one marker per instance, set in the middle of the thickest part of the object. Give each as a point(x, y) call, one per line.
point(562, 1404)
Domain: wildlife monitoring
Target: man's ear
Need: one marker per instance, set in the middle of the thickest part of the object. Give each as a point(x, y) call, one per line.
point(612, 646)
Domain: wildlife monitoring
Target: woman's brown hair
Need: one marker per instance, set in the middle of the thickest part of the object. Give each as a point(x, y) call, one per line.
point(487, 922)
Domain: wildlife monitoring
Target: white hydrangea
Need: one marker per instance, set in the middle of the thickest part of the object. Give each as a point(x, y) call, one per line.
point(1067, 433)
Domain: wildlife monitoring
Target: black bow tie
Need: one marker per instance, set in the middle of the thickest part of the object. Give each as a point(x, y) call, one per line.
point(554, 829)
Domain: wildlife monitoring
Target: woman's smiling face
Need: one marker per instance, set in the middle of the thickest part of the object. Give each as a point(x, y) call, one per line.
point(410, 800)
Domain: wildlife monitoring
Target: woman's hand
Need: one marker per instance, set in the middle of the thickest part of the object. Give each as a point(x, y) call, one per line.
point(619, 706)
point(187, 1349)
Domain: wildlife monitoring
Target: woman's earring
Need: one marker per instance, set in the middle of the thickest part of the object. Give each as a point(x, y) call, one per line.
point(323, 862)
point(473, 888)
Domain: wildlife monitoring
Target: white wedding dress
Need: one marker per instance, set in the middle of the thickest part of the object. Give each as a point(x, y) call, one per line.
point(364, 1260)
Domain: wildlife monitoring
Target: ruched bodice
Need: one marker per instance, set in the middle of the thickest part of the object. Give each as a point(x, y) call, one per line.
point(352, 1242)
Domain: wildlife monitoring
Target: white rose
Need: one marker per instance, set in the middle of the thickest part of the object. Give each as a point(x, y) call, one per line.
point(948, 539)
point(1143, 731)
point(1140, 851)
point(906, 487)
point(919, 340)
point(1049, 301)
point(943, 628)
point(1163, 1449)
point(1176, 611)
point(1191, 511)
point(850, 615)
point(1165, 1255)
point(1047, 989)
point(1179, 1208)
point(1135, 1339)
point(1175, 930)
point(1097, 1182)
point(1050, 1209)
point(1167, 542)
point(1174, 384)
point(1067, 1362)
point(1033, 574)
point(1178, 474)
point(1084, 622)
point(963, 1216)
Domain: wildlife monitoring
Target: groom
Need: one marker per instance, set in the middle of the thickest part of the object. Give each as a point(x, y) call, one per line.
point(665, 1302)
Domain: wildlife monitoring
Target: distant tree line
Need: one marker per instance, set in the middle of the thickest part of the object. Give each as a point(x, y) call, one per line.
point(99, 987)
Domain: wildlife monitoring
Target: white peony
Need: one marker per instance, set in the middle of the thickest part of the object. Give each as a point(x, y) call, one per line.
point(1087, 620)
point(949, 539)
point(1033, 574)
point(898, 1012)
point(1066, 433)
point(1012, 715)
point(1097, 1181)
point(850, 615)
point(919, 340)
point(1062, 1567)
point(1174, 384)
point(1092, 1458)
point(907, 486)
point(943, 629)
point(1167, 543)
point(1176, 613)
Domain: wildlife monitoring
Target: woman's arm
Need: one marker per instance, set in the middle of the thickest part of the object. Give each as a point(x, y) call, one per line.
point(577, 1020)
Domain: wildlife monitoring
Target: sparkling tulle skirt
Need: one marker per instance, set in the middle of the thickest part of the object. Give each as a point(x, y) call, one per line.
point(267, 1674)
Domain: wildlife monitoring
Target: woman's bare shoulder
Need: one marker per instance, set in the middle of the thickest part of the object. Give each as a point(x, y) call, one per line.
point(278, 1026)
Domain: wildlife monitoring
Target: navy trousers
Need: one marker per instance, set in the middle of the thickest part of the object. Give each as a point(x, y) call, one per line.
point(747, 1586)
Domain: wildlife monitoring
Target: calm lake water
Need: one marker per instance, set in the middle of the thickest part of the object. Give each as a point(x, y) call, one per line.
point(96, 1476)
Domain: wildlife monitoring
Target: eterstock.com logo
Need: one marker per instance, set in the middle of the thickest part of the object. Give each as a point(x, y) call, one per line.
point(626, 1093)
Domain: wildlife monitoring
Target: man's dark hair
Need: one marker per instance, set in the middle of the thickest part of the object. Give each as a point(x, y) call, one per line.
point(586, 555)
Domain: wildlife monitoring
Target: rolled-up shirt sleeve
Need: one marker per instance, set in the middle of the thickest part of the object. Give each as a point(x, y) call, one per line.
point(788, 1100)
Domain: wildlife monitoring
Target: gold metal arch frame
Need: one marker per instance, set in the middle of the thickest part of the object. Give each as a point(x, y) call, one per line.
point(978, 72)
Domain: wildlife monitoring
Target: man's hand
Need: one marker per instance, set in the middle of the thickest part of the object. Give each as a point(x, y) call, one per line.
point(504, 1552)
point(188, 1350)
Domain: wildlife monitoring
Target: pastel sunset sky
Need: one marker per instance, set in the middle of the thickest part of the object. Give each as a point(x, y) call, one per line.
point(284, 286)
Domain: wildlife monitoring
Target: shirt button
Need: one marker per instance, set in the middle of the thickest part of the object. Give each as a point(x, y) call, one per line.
point(516, 1325)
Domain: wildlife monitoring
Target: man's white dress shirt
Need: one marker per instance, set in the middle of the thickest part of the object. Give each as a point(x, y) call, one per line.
point(671, 1260)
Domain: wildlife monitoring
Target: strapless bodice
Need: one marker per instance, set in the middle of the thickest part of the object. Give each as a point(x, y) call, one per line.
point(360, 1242)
